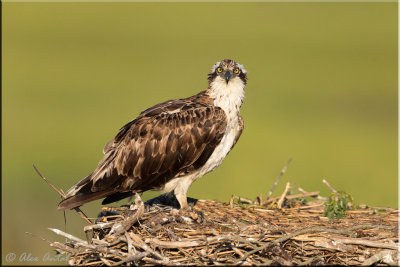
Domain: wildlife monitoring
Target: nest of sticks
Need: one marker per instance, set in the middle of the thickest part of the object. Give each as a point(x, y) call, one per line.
point(279, 231)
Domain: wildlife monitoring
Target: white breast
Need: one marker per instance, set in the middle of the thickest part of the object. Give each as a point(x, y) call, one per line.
point(229, 98)
point(220, 152)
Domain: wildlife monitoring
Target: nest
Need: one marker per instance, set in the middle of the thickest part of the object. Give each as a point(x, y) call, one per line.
point(242, 232)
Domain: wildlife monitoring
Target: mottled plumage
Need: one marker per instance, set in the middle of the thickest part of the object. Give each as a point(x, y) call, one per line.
point(169, 145)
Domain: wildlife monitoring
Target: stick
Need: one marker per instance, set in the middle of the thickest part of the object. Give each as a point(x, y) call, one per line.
point(328, 185)
point(241, 199)
point(195, 243)
point(146, 248)
point(85, 244)
point(58, 245)
point(310, 260)
point(367, 243)
point(279, 177)
point(308, 231)
point(123, 226)
point(78, 210)
point(317, 196)
point(282, 198)
point(98, 226)
point(304, 194)
point(50, 184)
point(384, 255)
point(71, 237)
point(83, 215)
point(134, 257)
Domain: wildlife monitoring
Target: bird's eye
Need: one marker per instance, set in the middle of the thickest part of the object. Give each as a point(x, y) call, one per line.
point(219, 69)
point(236, 71)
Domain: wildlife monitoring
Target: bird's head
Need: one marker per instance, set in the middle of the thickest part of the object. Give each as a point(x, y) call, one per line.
point(228, 72)
point(227, 80)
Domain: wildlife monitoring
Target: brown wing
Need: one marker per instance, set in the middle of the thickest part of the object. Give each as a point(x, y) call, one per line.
point(166, 141)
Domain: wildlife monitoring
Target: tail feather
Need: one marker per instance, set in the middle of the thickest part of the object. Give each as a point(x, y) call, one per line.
point(80, 199)
point(82, 193)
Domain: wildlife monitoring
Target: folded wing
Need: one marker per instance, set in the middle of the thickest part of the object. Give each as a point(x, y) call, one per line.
point(166, 141)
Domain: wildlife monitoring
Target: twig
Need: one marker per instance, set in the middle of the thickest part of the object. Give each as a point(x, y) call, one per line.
point(308, 194)
point(328, 185)
point(304, 194)
point(134, 257)
point(308, 231)
point(385, 256)
point(47, 181)
point(62, 247)
point(146, 248)
point(114, 208)
point(53, 244)
point(155, 262)
point(175, 244)
point(82, 243)
point(367, 243)
point(69, 236)
point(195, 243)
point(316, 196)
point(311, 260)
point(122, 226)
point(282, 198)
point(231, 201)
point(83, 215)
point(279, 177)
point(98, 226)
point(78, 210)
point(240, 199)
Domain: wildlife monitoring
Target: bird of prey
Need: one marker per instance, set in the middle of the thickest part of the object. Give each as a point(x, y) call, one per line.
point(170, 145)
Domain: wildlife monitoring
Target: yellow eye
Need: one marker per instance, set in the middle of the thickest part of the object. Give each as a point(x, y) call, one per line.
point(236, 71)
point(219, 69)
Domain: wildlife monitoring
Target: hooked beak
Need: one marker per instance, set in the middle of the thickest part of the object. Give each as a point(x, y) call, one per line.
point(227, 76)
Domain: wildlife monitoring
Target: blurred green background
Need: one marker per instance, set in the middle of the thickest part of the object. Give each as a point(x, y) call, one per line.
point(322, 89)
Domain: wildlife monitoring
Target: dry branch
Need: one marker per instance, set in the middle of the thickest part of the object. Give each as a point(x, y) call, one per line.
point(214, 233)
point(279, 177)
point(61, 193)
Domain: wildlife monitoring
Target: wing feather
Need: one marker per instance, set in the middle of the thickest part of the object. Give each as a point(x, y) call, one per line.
point(169, 145)
point(165, 141)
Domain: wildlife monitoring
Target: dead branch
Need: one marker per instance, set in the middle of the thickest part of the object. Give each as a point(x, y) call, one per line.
point(329, 186)
point(78, 210)
point(279, 177)
point(282, 198)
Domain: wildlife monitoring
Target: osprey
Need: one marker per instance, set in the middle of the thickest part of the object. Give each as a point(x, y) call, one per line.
point(168, 146)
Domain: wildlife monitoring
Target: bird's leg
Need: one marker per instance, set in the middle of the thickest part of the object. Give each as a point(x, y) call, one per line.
point(180, 192)
point(187, 210)
point(182, 199)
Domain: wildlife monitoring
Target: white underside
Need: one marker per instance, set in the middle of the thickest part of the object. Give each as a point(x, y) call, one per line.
point(229, 98)
point(220, 152)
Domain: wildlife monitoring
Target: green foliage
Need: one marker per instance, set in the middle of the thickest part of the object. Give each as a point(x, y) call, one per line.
point(337, 204)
